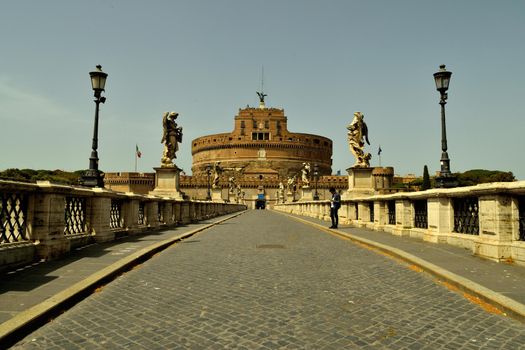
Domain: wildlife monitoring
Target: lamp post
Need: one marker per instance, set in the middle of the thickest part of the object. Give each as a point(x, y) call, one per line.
point(93, 177)
point(208, 173)
point(316, 179)
point(445, 178)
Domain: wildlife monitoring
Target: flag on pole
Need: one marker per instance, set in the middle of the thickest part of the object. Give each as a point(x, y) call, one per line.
point(138, 152)
point(379, 151)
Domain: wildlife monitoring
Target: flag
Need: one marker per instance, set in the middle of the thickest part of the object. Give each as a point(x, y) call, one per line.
point(138, 152)
point(379, 151)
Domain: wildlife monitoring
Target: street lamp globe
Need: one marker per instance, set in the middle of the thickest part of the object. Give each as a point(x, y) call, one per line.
point(442, 78)
point(98, 80)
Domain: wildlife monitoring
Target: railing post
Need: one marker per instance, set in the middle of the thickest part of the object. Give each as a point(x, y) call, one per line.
point(185, 212)
point(151, 212)
point(130, 212)
point(404, 217)
point(98, 213)
point(496, 226)
point(381, 215)
point(440, 219)
point(48, 223)
point(364, 213)
point(167, 213)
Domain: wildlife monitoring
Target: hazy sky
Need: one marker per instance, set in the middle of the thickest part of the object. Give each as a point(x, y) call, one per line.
point(323, 60)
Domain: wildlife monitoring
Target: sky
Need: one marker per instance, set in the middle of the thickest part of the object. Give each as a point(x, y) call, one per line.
point(323, 60)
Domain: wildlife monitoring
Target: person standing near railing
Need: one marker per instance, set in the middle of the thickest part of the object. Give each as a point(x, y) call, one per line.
point(335, 204)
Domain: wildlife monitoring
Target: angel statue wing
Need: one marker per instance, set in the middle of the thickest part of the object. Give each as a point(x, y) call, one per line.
point(164, 127)
point(365, 132)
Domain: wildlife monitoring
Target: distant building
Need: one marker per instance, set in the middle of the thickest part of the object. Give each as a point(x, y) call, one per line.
point(260, 153)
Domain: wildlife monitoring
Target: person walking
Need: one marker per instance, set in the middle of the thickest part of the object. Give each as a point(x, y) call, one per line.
point(335, 204)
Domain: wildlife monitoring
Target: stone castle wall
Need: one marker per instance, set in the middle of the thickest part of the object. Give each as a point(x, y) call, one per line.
point(261, 139)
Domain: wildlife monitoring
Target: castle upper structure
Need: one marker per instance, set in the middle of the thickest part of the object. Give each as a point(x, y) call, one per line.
point(261, 142)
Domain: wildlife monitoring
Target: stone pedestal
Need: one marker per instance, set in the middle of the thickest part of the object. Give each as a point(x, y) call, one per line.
point(167, 183)
point(306, 194)
point(360, 183)
point(216, 195)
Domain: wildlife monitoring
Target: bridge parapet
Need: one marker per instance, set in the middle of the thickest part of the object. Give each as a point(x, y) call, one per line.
point(46, 221)
point(488, 219)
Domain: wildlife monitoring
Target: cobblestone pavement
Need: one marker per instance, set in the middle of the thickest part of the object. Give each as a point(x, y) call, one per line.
point(264, 281)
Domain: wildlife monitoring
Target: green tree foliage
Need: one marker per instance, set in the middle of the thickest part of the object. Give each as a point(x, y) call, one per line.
point(30, 175)
point(479, 176)
point(426, 179)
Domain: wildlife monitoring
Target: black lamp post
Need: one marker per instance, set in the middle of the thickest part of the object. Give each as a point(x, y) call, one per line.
point(93, 177)
point(316, 179)
point(208, 173)
point(445, 178)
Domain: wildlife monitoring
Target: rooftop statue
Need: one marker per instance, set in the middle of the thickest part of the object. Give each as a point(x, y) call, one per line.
point(262, 95)
point(171, 136)
point(357, 134)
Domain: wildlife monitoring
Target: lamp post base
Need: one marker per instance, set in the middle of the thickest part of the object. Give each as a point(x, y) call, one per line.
point(92, 178)
point(446, 180)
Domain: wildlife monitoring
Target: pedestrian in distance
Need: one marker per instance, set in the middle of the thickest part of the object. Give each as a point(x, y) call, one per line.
point(335, 204)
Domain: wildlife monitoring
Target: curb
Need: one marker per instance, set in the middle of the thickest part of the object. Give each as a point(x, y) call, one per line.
point(27, 321)
point(508, 306)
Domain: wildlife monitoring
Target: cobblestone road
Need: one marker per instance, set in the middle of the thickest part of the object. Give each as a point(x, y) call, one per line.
point(264, 281)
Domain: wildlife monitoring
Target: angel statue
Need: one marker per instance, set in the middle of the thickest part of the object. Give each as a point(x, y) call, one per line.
point(171, 136)
point(305, 174)
point(357, 131)
point(217, 170)
point(261, 95)
point(290, 184)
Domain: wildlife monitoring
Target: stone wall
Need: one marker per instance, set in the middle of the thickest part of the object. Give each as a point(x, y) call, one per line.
point(488, 219)
point(261, 139)
point(46, 221)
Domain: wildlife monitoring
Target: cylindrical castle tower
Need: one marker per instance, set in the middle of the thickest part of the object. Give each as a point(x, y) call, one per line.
point(261, 141)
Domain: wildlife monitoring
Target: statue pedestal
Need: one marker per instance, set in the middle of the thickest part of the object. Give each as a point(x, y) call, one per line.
point(360, 183)
point(306, 194)
point(290, 197)
point(216, 195)
point(167, 183)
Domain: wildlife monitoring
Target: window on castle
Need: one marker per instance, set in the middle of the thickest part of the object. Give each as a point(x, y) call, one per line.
point(267, 124)
point(260, 136)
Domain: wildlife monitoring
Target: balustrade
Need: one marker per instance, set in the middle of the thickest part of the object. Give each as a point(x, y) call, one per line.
point(391, 212)
point(13, 217)
point(115, 216)
point(466, 215)
point(521, 211)
point(489, 219)
point(75, 215)
point(46, 221)
point(421, 214)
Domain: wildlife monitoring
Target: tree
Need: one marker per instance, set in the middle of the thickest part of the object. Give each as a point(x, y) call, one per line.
point(478, 176)
point(426, 179)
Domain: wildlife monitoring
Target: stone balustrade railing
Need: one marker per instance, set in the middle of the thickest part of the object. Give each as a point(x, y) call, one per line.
point(46, 221)
point(488, 219)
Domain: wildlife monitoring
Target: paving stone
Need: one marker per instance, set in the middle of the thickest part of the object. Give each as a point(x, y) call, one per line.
point(318, 292)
